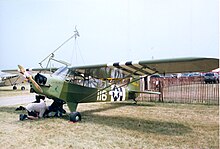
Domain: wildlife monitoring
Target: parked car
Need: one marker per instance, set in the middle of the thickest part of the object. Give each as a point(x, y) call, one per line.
point(170, 76)
point(155, 76)
point(184, 75)
point(211, 77)
point(195, 74)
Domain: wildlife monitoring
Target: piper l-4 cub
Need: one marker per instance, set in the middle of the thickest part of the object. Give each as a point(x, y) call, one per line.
point(108, 82)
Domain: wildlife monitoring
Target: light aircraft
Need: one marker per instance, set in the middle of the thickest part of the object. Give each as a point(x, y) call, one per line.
point(118, 81)
point(8, 79)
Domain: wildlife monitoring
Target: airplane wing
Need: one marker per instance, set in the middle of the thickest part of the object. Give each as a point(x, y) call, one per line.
point(140, 68)
point(5, 75)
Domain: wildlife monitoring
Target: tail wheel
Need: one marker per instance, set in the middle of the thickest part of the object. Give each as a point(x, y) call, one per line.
point(75, 117)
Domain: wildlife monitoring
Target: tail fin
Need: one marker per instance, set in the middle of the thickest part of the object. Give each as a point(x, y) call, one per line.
point(134, 89)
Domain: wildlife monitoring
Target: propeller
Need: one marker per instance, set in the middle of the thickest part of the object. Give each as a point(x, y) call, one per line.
point(29, 77)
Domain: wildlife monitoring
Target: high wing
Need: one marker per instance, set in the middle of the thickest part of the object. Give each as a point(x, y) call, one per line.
point(140, 68)
point(5, 75)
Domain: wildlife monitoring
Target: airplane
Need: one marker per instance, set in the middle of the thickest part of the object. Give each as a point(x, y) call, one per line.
point(8, 79)
point(111, 82)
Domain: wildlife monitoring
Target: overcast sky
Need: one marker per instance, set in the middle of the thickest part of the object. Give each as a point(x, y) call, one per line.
point(110, 30)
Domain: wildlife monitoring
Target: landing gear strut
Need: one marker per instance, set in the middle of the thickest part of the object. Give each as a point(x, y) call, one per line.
point(75, 117)
point(133, 97)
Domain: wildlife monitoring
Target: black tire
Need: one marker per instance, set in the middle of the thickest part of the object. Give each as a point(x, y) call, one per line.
point(32, 90)
point(22, 88)
point(75, 117)
point(14, 87)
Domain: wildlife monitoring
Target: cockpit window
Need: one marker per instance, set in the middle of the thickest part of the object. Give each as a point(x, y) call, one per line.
point(40, 79)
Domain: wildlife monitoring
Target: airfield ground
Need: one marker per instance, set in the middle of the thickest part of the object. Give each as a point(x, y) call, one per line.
point(113, 125)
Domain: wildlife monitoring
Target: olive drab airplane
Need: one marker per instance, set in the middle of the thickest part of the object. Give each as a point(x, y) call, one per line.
point(111, 82)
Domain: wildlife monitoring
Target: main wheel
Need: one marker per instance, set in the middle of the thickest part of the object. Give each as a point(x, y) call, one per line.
point(14, 87)
point(75, 117)
point(22, 88)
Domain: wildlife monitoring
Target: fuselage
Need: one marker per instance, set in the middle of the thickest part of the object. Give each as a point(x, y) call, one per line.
point(55, 87)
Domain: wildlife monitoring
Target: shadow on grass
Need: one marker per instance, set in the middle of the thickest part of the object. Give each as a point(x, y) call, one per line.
point(141, 125)
point(112, 105)
point(135, 123)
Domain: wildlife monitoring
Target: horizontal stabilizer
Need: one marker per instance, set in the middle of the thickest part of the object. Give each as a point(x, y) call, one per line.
point(147, 92)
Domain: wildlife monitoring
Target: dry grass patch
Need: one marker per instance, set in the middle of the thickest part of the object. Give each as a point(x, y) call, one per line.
point(116, 125)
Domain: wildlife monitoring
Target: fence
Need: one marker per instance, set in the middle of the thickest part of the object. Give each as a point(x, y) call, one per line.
point(183, 90)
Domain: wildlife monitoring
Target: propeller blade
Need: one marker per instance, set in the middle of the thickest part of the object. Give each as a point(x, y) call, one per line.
point(29, 77)
point(22, 70)
point(35, 84)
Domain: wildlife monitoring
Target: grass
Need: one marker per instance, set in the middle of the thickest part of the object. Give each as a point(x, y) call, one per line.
point(116, 125)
